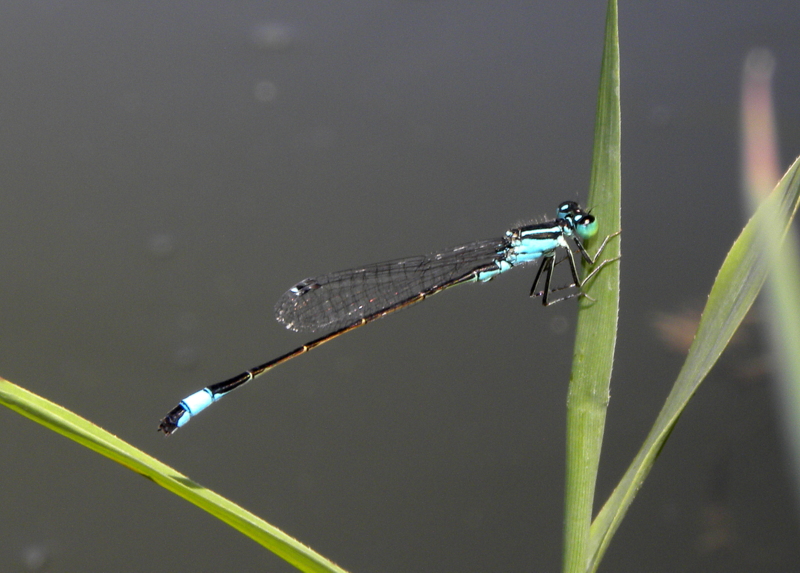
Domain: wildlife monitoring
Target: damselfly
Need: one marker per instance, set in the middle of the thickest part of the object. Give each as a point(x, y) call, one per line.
point(344, 300)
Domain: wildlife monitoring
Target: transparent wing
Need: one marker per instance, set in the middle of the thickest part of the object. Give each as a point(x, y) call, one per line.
point(338, 299)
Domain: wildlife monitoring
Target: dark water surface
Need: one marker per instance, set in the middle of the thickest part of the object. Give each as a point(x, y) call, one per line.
point(168, 169)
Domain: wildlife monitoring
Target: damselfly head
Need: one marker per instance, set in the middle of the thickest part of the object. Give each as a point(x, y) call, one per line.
point(582, 223)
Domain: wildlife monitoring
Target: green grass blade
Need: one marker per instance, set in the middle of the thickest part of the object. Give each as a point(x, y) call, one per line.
point(760, 159)
point(783, 320)
point(739, 280)
point(84, 432)
point(597, 322)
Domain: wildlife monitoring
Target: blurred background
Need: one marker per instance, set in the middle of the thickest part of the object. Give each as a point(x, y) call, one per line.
point(169, 169)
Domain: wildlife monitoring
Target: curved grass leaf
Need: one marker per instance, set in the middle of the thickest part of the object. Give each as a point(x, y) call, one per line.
point(84, 432)
point(738, 283)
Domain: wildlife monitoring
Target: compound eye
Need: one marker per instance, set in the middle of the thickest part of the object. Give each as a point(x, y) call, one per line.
point(567, 210)
point(586, 226)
